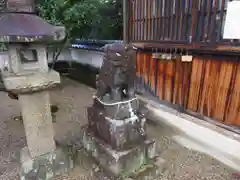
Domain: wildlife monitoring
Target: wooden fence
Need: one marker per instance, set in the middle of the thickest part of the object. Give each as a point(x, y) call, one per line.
point(179, 23)
point(208, 86)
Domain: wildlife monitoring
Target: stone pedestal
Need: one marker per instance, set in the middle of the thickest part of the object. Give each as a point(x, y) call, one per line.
point(118, 163)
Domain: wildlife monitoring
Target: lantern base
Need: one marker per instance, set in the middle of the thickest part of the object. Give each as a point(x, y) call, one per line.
point(44, 167)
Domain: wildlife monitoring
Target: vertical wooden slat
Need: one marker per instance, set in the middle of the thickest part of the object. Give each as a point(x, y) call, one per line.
point(185, 19)
point(152, 73)
point(143, 19)
point(135, 21)
point(169, 74)
point(208, 23)
point(145, 69)
point(197, 69)
point(155, 21)
point(160, 84)
point(233, 109)
point(144, 29)
point(156, 77)
point(168, 17)
point(194, 20)
point(180, 99)
point(213, 89)
point(203, 72)
point(147, 18)
point(130, 20)
point(224, 81)
point(187, 71)
point(150, 20)
point(205, 88)
point(182, 4)
point(160, 27)
point(177, 15)
point(202, 18)
point(164, 26)
point(177, 82)
point(138, 22)
point(158, 24)
point(172, 24)
point(214, 22)
point(221, 19)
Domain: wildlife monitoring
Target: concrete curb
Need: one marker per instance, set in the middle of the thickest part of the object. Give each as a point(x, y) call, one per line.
point(210, 139)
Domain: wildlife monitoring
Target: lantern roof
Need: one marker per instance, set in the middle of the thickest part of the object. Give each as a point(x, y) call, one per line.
point(20, 24)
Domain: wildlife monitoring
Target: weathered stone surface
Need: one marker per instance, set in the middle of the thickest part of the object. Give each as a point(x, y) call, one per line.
point(120, 110)
point(118, 163)
point(32, 82)
point(19, 23)
point(37, 121)
point(44, 167)
point(116, 78)
point(116, 134)
point(119, 134)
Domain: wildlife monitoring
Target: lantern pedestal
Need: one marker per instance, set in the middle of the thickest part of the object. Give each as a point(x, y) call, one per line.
point(46, 166)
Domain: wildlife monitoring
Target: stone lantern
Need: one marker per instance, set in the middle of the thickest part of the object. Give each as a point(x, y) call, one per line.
point(28, 76)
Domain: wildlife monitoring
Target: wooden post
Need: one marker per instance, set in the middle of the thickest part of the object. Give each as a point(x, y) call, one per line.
point(125, 22)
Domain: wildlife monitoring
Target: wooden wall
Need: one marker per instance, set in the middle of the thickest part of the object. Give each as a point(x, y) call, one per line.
point(209, 85)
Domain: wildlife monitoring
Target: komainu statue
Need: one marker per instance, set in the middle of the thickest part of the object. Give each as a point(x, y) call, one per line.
point(116, 131)
point(115, 115)
point(117, 75)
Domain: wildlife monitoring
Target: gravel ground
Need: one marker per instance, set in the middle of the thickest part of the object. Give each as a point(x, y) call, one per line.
point(175, 162)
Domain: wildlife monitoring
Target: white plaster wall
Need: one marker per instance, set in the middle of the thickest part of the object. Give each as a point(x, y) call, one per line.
point(3, 59)
point(86, 57)
point(92, 58)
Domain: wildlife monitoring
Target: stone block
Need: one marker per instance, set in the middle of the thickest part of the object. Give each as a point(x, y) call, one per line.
point(119, 164)
point(119, 134)
point(32, 82)
point(119, 110)
point(37, 121)
point(44, 167)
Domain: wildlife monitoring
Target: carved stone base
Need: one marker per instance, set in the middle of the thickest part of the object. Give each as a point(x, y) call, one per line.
point(44, 167)
point(119, 134)
point(120, 164)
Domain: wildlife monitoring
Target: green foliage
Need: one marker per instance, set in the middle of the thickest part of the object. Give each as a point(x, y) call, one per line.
point(86, 19)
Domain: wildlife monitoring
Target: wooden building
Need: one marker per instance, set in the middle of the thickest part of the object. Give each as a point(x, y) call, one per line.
point(183, 59)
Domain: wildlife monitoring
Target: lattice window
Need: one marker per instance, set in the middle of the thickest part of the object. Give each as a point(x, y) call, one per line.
point(179, 20)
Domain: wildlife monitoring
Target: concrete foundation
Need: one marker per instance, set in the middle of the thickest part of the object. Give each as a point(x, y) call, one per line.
point(119, 164)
